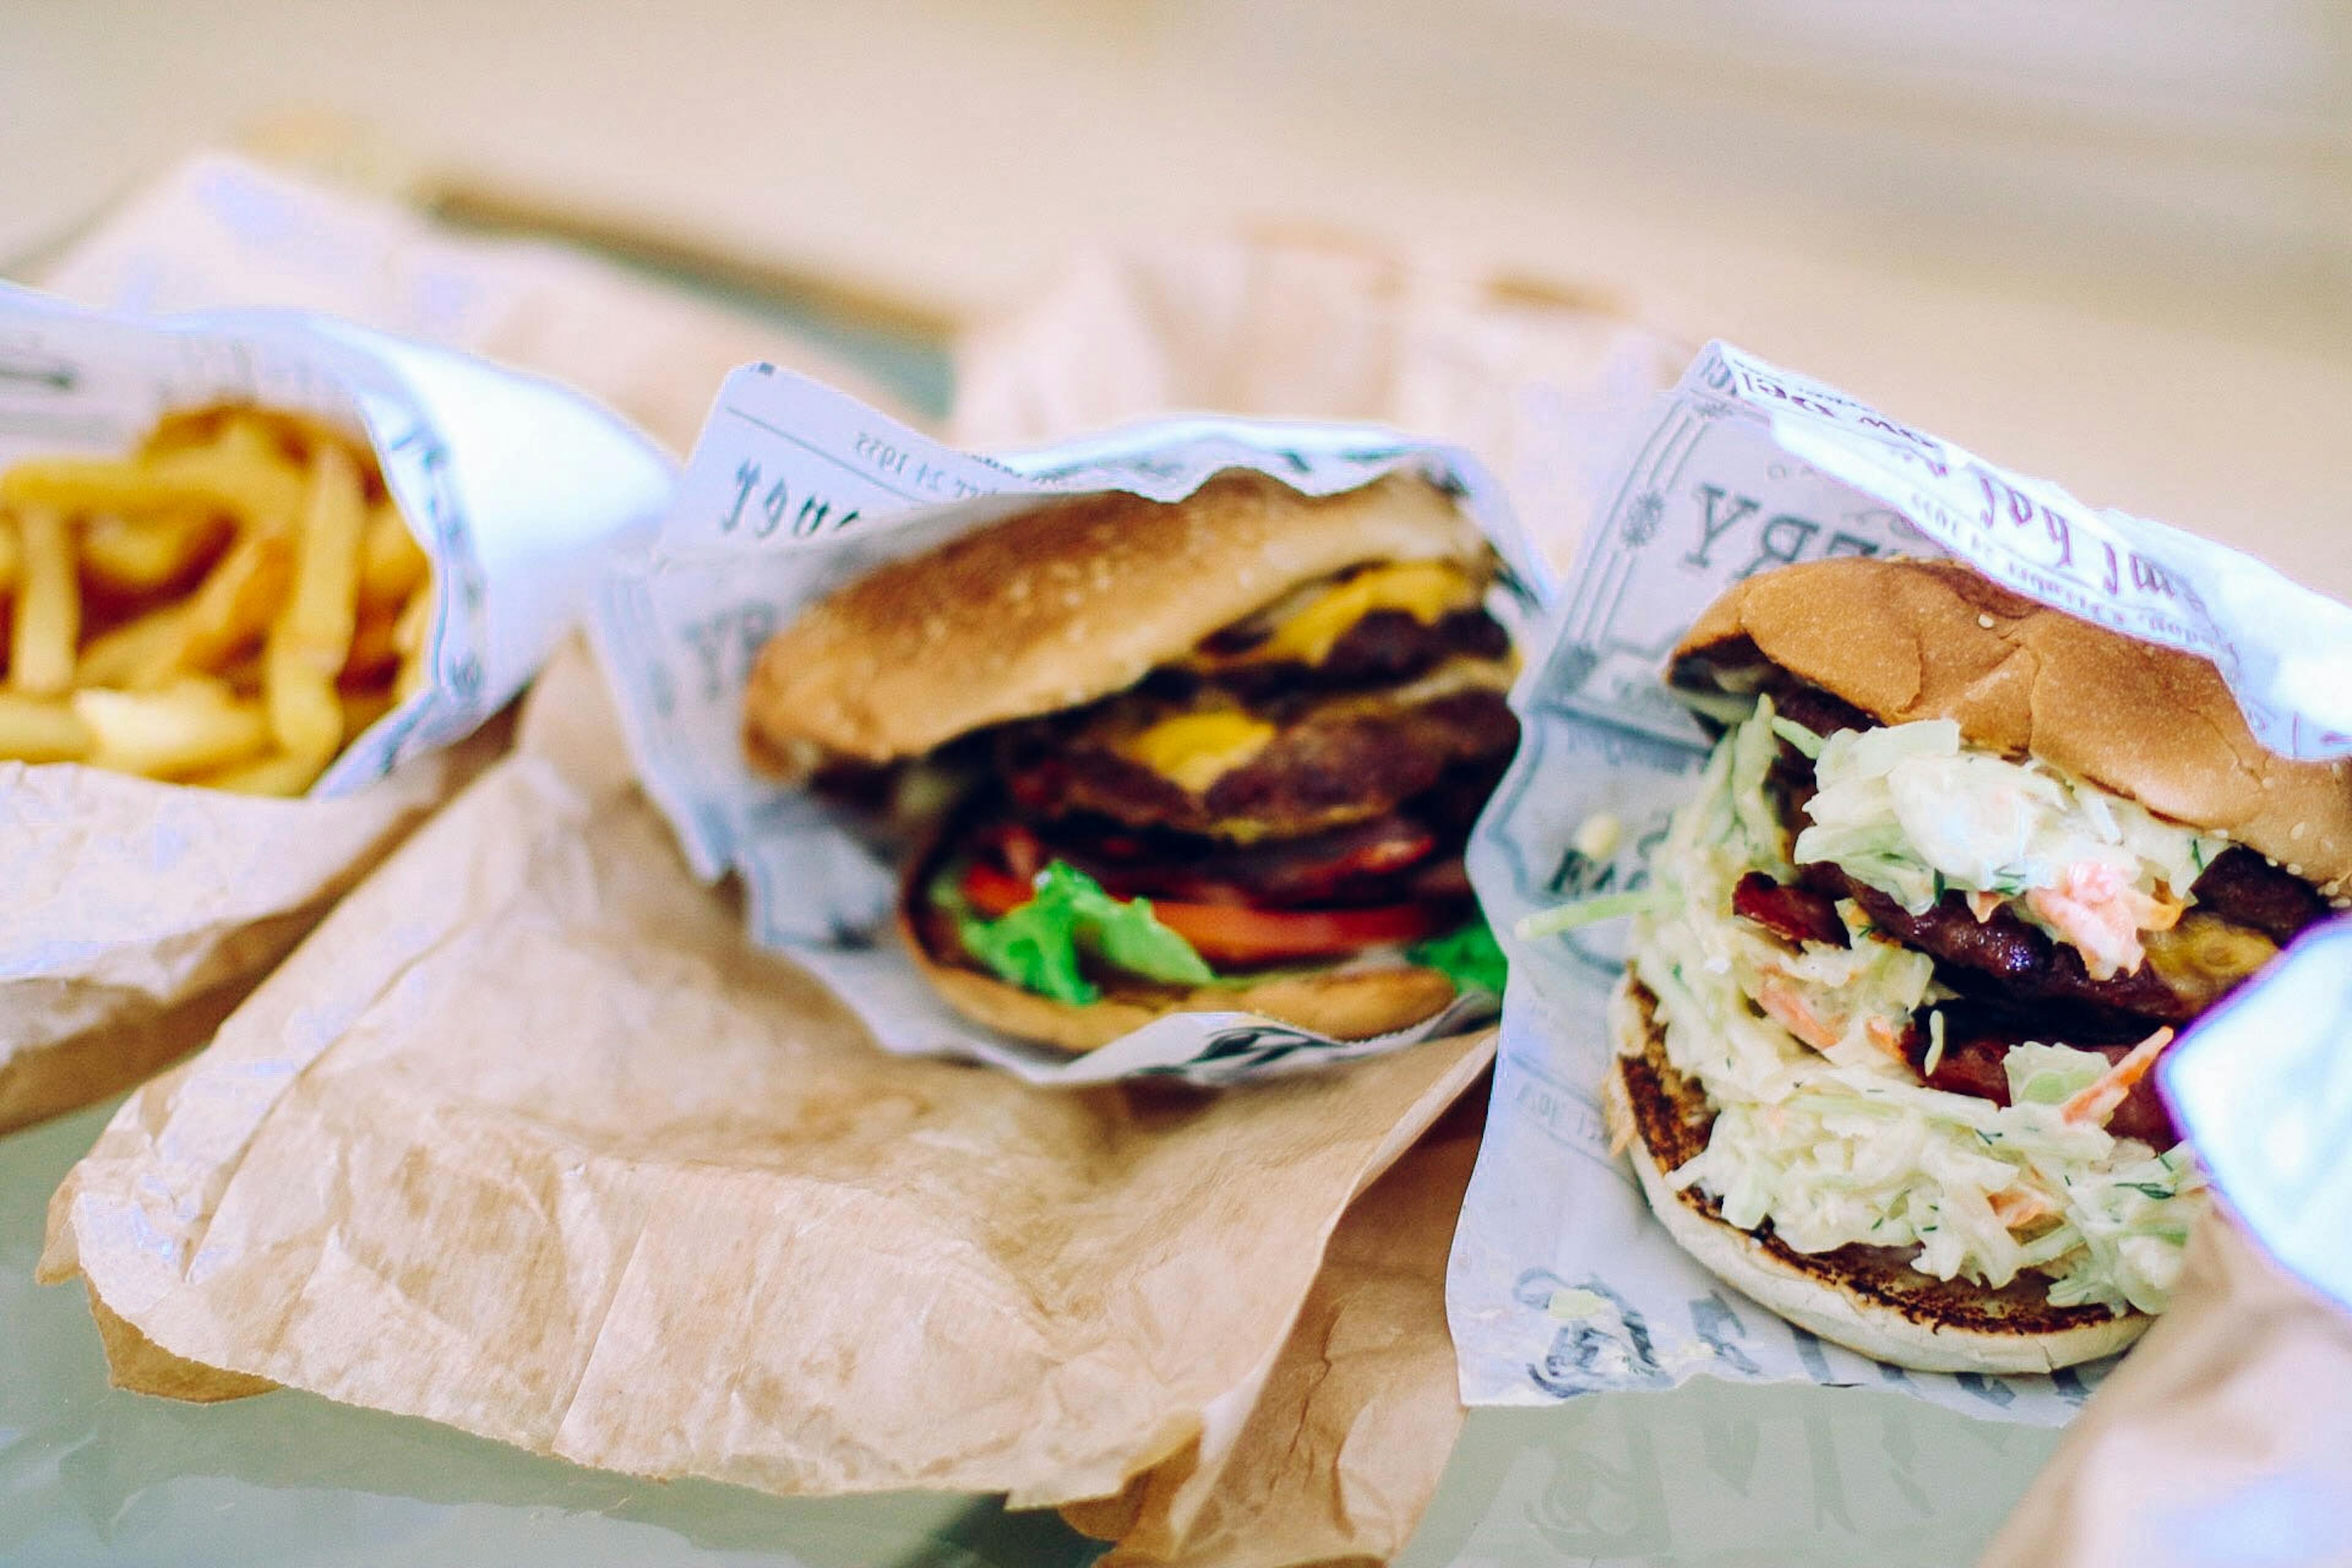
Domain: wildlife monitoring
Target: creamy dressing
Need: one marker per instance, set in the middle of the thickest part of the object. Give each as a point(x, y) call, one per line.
point(1910, 811)
point(1821, 1127)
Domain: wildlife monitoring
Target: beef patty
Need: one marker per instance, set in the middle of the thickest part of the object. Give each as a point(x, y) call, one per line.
point(1328, 763)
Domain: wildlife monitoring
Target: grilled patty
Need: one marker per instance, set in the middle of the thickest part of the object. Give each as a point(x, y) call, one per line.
point(2012, 981)
point(1329, 763)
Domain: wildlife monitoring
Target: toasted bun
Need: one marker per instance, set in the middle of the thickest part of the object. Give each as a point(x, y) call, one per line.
point(1936, 639)
point(1060, 606)
point(1354, 1004)
point(1866, 1299)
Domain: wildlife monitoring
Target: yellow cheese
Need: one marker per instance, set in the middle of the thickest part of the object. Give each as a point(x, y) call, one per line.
point(1197, 749)
point(1424, 589)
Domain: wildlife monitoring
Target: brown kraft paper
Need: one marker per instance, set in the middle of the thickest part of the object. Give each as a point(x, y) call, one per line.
point(151, 908)
point(526, 1139)
point(1346, 1447)
point(2224, 1438)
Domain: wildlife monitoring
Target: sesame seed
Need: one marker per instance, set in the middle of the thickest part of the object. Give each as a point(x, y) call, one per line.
point(1985, 621)
point(2298, 830)
point(2292, 870)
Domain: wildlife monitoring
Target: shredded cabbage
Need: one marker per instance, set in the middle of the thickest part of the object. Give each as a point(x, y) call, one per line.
point(1908, 810)
point(1822, 1127)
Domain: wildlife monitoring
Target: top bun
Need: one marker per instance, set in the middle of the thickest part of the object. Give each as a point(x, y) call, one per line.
point(1905, 639)
point(1060, 606)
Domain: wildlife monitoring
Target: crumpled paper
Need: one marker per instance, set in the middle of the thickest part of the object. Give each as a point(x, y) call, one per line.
point(1356, 1396)
point(1348, 1445)
point(1543, 382)
point(1349, 1442)
point(2224, 1438)
point(219, 231)
point(159, 905)
point(148, 906)
point(526, 1139)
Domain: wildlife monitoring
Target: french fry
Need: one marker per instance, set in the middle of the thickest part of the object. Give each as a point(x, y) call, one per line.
point(193, 726)
point(49, 606)
point(40, 729)
point(141, 555)
point(409, 634)
point(311, 637)
point(291, 595)
point(244, 473)
point(235, 602)
point(244, 675)
point(392, 564)
point(137, 654)
point(276, 773)
point(246, 470)
point(183, 427)
point(374, 655)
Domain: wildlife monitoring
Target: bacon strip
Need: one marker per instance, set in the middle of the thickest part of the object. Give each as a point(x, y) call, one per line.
point(1792, 913)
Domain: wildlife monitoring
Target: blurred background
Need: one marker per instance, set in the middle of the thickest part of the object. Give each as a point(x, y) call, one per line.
point(2105, 240)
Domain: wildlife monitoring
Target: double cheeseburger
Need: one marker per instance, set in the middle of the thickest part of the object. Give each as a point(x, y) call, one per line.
point(1144, 758)
point(1959, 870)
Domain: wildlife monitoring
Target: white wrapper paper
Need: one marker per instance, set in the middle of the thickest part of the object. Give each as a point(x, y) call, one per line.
point(1560, 1281)
point(513, 486)
point(796, 489)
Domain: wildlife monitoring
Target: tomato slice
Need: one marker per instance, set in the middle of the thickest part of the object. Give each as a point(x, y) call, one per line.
point(1235, 933)
point(996, 893)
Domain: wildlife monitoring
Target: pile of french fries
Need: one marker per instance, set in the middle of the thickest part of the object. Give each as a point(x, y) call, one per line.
point(228, 606)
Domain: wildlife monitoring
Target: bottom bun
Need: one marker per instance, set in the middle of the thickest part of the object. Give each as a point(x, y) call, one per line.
point(1867, 1298)
point(1346, 1005)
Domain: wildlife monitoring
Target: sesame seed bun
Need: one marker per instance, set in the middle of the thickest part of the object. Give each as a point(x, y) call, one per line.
point(1055, 607)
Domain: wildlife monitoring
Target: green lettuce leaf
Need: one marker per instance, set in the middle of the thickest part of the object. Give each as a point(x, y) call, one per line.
point(1469, 953)
point(1038, 944)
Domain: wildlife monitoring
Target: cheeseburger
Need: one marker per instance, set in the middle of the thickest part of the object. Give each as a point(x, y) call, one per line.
point(1218, 754)
point(1959, 870)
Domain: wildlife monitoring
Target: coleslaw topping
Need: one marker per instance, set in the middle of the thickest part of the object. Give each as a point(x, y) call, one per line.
point(1822, 1127)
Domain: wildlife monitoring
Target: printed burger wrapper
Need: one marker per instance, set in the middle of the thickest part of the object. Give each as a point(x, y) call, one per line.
point(796, 489)
point(144, 908)
point(526, 1139)
point(1562, 1282)
point(2226, 1438)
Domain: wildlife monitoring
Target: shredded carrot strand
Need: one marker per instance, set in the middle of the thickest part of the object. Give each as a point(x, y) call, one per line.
point(2097, 1101)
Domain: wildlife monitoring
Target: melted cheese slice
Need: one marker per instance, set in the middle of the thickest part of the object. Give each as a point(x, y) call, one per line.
point(1426, 590)
point(1195, 750)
